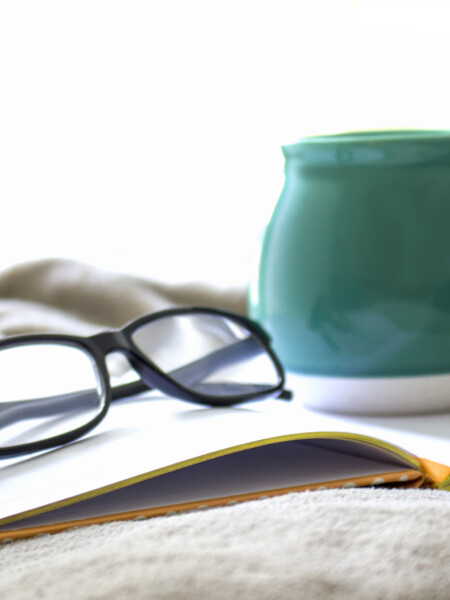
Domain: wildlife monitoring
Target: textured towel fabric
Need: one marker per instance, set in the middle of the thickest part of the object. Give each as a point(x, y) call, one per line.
point(370, 544)
point(340, 545)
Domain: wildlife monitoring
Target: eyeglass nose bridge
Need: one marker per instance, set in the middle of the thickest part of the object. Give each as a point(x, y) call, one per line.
point(115, 341)
point(111, 341)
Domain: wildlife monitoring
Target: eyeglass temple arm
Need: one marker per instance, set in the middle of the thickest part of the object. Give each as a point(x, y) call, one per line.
point(189, 374)
point(197, 370)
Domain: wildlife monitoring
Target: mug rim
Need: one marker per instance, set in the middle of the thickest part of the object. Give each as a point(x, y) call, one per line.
point(378, 148)
point(371, 135)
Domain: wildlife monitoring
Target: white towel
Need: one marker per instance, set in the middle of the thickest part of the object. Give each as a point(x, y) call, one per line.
point(330, 545)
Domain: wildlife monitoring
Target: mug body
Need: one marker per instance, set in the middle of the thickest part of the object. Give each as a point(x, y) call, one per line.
point(354, 273)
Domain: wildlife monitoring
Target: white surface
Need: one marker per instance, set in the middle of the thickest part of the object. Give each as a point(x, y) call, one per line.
point(426, 435)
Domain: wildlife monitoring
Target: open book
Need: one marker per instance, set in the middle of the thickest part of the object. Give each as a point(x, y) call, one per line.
point(152, 456)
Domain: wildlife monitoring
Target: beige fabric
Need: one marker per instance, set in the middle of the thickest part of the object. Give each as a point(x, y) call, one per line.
point(65, 296)
point(369, 544)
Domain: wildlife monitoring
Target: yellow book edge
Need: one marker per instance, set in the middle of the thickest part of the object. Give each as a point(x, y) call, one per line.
point(422, 473)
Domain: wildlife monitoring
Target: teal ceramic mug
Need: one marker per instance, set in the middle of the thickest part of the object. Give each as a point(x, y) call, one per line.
point(353, 280)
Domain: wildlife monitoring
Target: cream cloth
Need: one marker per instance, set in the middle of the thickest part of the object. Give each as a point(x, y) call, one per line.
point(64, 296)
point(346, 544)
point(330, 545)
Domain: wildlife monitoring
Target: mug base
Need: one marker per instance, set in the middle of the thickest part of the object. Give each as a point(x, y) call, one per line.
point(373, 395)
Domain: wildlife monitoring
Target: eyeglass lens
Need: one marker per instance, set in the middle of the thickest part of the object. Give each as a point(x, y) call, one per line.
point(208, 354)
point(46, 390)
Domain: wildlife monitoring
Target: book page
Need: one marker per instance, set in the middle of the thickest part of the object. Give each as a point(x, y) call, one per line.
point(146, 435)
point(272, 466)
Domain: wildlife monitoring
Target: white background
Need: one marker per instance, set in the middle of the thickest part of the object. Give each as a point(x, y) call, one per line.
point(145, 136)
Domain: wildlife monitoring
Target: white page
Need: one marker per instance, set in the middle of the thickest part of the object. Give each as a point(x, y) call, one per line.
point(275, 466)
point(142, 435)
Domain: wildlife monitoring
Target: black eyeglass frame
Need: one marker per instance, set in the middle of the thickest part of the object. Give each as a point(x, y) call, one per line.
point(99, 345)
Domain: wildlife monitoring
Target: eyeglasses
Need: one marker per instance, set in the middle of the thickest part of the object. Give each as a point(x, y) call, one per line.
point(56, 388)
